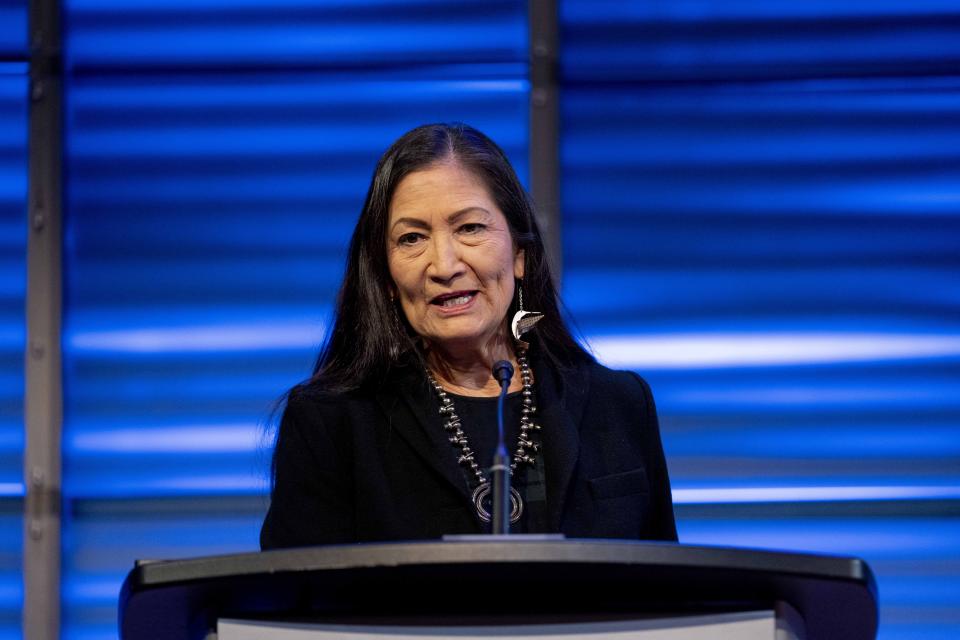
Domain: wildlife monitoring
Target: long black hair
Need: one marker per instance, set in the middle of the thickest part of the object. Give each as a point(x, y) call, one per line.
point(369, 335)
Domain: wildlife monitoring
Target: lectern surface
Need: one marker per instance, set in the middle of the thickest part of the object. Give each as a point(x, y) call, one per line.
point(746, 625)
point(525, 581)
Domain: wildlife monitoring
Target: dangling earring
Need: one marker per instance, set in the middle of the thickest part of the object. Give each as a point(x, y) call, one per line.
point(523, 321)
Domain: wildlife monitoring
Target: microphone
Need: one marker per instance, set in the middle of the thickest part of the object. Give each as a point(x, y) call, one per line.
point(500, 470)
point(503, 372)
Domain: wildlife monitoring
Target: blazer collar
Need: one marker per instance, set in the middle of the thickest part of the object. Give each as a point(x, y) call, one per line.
point(560, 400)
point(409, 391)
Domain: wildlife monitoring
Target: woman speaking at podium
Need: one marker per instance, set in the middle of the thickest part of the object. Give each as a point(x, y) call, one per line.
point(392, 436)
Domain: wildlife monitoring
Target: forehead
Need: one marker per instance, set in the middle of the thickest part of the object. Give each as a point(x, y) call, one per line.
point(440, 189)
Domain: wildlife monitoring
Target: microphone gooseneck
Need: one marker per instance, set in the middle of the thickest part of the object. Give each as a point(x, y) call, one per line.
point(500, 470)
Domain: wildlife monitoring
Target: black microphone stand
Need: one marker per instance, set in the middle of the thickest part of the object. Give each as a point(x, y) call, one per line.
point(500, 470)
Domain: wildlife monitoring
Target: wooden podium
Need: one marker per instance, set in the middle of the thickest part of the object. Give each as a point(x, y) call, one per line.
point(504, 587)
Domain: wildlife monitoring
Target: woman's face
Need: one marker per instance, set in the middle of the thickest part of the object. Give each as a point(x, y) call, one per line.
point(451, 257)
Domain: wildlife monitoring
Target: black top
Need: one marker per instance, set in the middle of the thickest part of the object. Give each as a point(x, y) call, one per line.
point(478, 420)
point(376, 465)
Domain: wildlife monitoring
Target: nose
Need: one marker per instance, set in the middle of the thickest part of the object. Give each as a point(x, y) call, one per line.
point(446, 263)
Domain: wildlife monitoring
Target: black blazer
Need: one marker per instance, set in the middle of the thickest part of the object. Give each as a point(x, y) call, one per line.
point(367, 466)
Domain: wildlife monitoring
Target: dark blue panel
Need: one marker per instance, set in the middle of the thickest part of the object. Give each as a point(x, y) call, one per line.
point(779, 256)
point(218, 156)
point(13, 29)
point(208, 221)
point(13, 237)
point(13, 278)
point(914, 557)
point(702, 40)
point(11, 564)
point(104, 538)
point(780, 260)
point(293, 33)
point(13, 191)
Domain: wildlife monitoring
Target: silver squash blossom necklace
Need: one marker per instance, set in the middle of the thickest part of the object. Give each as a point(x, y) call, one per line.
point(526, 447)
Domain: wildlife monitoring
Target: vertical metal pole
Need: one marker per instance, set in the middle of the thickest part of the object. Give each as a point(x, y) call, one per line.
point(43, 402)
point(545, 125)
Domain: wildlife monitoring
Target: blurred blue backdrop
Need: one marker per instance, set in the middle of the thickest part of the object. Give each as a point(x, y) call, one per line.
point(760, 213)
point(13, 283)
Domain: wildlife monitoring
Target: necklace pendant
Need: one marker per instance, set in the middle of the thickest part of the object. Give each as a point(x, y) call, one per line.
point(527, 447)
point(482, 493)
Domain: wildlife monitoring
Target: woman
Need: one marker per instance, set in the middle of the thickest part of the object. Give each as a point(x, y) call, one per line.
point(392, 436)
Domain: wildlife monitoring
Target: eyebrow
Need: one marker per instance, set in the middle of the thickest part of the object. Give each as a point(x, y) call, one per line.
point(453, 217)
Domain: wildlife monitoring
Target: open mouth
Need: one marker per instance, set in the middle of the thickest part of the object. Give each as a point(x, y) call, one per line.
point(453, 299)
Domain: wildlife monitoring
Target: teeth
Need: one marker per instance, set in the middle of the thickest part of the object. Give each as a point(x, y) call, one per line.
point(452, 302)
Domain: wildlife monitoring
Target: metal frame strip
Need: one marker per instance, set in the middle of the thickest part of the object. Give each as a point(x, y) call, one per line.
point(545, 126)
point(43, 410)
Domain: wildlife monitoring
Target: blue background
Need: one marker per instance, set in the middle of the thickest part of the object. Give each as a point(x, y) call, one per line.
point(13, 284)
point(760, 214)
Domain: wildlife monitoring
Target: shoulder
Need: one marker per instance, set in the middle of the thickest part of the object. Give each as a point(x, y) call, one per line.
point(590, 384)
point(309, 408)
point(615, 383)
point(605, 394)
point(311, 397)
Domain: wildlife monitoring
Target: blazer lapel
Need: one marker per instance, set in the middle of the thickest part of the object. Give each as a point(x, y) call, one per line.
point(412, 410)
point(560, 403)
point(410, 406)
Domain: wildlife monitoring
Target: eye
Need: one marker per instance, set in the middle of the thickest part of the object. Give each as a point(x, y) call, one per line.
point(472, 227)
point(409, 239)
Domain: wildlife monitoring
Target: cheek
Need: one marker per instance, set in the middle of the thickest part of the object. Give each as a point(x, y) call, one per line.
point(408, 299)
point(411, 313)
point(408, 311)
point(507, 265)
point(503, 276)
point(405, 282)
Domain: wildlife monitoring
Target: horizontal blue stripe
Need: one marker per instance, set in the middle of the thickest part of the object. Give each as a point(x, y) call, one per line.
point(13, 239)
point(13, 29)
point(877, 539)
point(704, 11)
point(791, 495)
point(11, 428)
point(296, 34)
point(917, 630)
point(13, 68)
point(122, 329)
point(920, 443)
point(12, 331)
point(88, 482)
point(911, 557)
point(830, 437)
point(176, 438)
point(696, 41)
point(769, 349)
point(754, 294)
point(922, 591)
point(185, 97)
point(11, 489)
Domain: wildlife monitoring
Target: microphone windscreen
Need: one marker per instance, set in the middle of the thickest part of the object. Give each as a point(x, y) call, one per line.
point(502, 371)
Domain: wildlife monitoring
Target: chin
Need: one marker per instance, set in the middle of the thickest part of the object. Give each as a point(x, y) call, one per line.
point(462, 340)
point(457, 340)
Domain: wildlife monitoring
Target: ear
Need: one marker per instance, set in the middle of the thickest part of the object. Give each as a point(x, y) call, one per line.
point(519, 264)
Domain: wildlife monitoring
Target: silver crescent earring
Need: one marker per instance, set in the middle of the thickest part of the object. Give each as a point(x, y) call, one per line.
point(523, 321)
